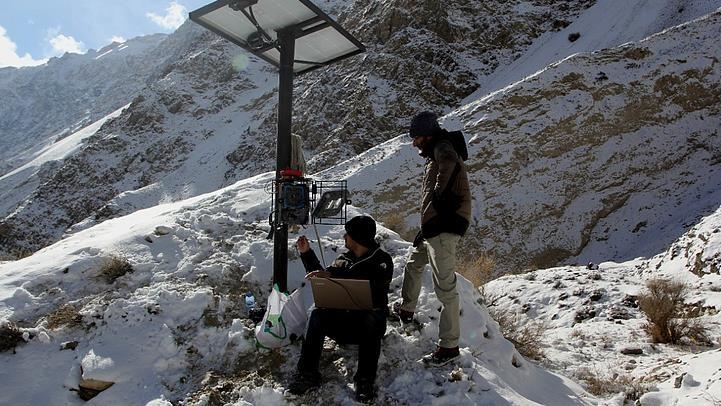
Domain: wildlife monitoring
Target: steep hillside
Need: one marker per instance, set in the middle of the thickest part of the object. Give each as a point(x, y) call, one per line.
point(609, 155)
point(44, 103)
point(209, 118)
point(613, 153)
point(595, 332)
point(170, 143)
point(174, 327)
point(17, 185)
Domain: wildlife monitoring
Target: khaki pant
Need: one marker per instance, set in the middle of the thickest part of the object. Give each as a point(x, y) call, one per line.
point(440, 252)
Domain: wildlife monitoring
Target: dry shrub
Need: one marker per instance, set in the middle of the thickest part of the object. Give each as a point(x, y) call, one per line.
point(396, 221)
point(602, 385)
point(114, 267)
point(10, 336)
point(65, 315)
point(525, 335)
point(15, 255)
point(579, 335)
point(663, 306)
point(478, 270)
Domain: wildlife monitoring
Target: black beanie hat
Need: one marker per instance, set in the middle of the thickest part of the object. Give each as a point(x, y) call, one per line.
point(424, 123)
point(362, 229)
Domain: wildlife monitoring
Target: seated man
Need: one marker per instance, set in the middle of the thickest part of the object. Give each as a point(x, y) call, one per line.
point(364, 260)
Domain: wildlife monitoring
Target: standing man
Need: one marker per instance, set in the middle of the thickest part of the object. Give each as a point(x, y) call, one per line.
point(445, 214)
point(364, 260)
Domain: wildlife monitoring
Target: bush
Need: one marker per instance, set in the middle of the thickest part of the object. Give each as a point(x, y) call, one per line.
point(525, 335)
point(65, 315)
point(663, 306)
point(15, 255)
point(478, 270)
point(10, 336)
point(114, 267)
point(396, 220)
point(601, 385)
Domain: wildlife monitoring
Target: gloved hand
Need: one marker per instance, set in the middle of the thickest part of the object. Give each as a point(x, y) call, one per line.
point(418, 240)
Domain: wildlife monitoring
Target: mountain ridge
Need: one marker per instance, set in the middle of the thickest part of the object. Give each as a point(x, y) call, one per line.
point(215, 82)
point(70, 92)
point(598, 157)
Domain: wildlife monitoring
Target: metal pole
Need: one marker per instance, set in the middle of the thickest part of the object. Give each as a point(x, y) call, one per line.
point(286, 41)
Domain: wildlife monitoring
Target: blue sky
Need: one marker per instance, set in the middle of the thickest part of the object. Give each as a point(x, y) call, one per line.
point(31, 31)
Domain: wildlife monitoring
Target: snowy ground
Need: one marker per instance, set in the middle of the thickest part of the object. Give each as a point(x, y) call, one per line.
point(581, 345)
point(175, 328)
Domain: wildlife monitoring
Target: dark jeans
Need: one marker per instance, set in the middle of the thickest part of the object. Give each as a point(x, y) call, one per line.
point(362, 327)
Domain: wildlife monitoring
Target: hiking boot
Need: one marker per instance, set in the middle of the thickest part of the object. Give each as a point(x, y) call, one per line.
point(441, 356)
point(364, 391)
point(403, 315)
point(303, 382)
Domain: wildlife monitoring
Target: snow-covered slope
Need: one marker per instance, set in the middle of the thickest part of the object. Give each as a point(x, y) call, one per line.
point(46, 103)
point(209, 112)
point(18, 184)
point(595, 330)
point(605, 155)
point(607, 24)
point(175, 327)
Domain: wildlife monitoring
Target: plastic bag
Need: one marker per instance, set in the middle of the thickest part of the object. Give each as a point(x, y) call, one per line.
point(284, 320)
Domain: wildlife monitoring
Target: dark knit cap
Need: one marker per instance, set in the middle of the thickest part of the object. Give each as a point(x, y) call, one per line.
point(362, 229)
point(424, 123)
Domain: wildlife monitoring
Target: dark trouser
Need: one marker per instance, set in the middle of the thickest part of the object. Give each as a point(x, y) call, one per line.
point(362, 327)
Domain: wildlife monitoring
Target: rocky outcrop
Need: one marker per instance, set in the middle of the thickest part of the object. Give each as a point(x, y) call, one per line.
point(618, 143)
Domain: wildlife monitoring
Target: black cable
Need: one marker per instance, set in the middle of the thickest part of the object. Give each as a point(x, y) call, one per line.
point(251, 17)
point(348, 291)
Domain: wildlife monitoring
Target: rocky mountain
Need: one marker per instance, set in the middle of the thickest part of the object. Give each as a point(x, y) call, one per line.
point(209, 120)
point(210, 103)
point(43, 104)
point(606, 151)
point(606, 155)
point(151, 151)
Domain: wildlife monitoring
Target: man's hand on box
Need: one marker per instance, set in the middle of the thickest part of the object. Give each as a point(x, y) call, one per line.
point(318, 274)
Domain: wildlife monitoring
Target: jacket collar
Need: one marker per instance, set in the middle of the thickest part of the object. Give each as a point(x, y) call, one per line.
point(353, 259)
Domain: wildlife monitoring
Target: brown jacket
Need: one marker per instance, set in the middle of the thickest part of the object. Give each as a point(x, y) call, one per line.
point(446, 204)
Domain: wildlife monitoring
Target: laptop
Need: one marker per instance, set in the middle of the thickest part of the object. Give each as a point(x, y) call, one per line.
point(348, 294)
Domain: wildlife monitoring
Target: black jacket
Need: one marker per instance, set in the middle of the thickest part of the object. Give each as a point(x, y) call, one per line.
point(376, 266)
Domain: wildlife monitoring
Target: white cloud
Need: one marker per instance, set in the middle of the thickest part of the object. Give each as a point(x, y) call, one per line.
point(9, 56)
point(174, 17)
point(118, 39)
point(65, 43)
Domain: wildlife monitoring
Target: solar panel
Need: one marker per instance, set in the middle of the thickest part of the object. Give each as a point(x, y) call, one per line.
point(254, 26)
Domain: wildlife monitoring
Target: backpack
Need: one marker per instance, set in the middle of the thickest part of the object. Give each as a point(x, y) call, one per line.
point(458, 141)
